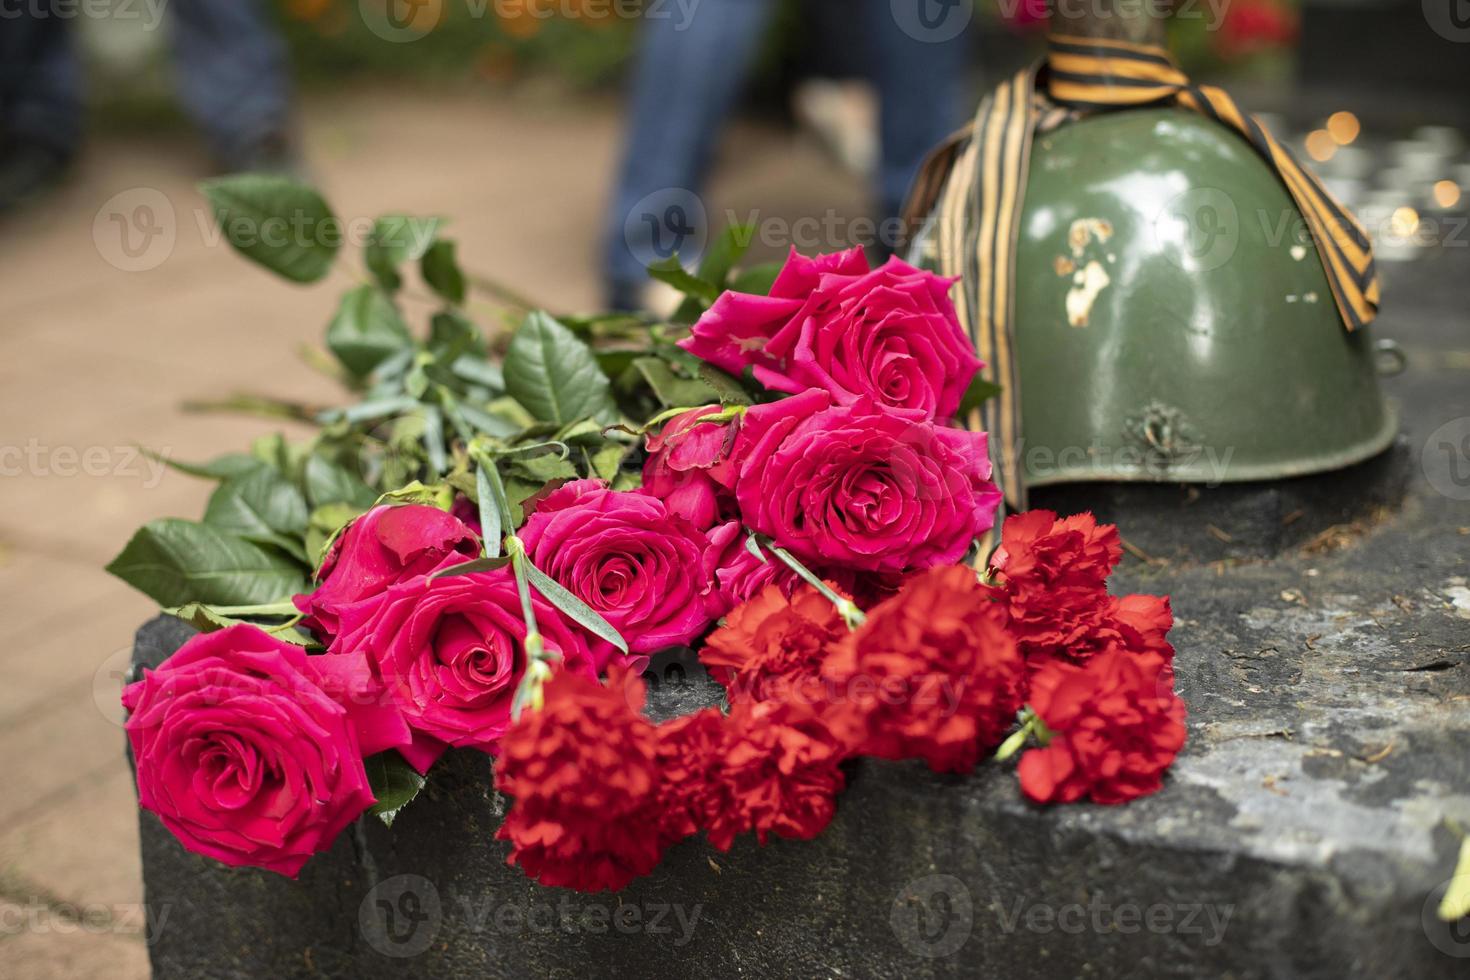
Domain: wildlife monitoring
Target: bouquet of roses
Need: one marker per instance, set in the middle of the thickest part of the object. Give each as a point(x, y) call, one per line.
point(485, 550)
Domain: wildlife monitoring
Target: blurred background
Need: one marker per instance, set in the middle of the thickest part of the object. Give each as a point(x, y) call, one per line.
point(562, 160)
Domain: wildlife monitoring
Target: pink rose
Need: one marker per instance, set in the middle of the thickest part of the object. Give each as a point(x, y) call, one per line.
point(627, 556)
point(862, 486)
point(450, 651)
point(245, 755)
point(689, 466)
point(890, 334)
point(734, 332)
point(733, 575)
point(385, 545)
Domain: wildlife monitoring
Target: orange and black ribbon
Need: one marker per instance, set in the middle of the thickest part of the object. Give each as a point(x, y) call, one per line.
point(974, 185)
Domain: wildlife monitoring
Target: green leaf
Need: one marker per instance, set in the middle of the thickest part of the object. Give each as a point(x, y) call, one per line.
point(583, 432)
point(671, 389)
point(614, 362)
point(757, 280)
point(208, 619)
point(487, 564)
point(219, 468)
point(542, 469)
point(726, 385)
point(328, 483)
point(175, 562)
point(376, 408)
point(575, 608)
point(433, 437)
point(441, 271)
point(395, 239)
point(671, 272)
point(277, 222)
point(477, 370)
point(262, 506)
point(754, 547)
point(607, 460)
point(437, 495)
point(727, 250)
point(490, 529)
point(273, 450)
point(979, 392)
point(394, 783)
point(323, 527)
point(554, 376)
point(452, 336)
point(512, 411)
point(492, 423)
point(517, 492)
point(366, 330)
point(715, 267)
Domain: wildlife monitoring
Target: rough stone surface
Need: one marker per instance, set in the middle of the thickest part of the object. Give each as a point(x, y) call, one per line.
point(1302, 832)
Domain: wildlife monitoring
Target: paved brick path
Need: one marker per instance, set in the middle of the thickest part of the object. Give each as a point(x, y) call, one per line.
point(95, 360)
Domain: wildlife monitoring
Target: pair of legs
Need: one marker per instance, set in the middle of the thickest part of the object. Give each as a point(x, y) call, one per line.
point(690, 70)
point(230, 68)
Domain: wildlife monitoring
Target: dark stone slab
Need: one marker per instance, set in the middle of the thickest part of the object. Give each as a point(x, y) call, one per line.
point(1301, 833)
point(1256, 519)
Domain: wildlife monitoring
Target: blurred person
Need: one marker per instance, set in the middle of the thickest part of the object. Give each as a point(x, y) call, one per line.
point(230, 74)
point(691, 69)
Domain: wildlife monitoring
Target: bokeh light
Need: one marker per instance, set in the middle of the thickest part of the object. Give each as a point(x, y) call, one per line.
point(1320, 145)
point(1404, 223)
point(1343, 127)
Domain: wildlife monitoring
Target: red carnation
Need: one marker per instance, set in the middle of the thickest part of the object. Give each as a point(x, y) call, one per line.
point(773, 643)
point(1115, 723)
point(584, 773)
point(1139, 622)
point(1052, 583)
point(1038, 550)
point(689, 749)
point(777, 773)
point(933, 672)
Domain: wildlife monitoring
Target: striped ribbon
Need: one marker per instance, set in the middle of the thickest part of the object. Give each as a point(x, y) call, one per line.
point(976, 181)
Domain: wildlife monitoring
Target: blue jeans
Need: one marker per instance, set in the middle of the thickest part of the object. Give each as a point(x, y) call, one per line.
point(229, 65)
point(688, 74)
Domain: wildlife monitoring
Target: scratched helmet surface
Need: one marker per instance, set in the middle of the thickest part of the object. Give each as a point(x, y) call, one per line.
point(1172, 318)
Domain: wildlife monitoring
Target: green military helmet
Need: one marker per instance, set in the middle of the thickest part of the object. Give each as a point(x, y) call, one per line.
point(1173, 321)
